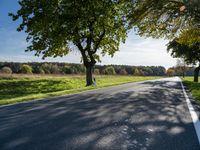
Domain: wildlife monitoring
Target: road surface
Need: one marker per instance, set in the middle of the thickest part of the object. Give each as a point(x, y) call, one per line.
point(150, 115)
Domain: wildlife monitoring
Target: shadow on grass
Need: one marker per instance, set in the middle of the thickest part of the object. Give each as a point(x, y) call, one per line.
point(18, 88)
point(194, 88)
point(152, 118)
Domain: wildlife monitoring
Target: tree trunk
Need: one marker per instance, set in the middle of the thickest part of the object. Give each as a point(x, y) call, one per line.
point(183, 74)
point(196, 74)
point(89, 79)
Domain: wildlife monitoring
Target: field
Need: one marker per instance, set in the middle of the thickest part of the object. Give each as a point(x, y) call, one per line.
point(193, 87)
point(18, 88)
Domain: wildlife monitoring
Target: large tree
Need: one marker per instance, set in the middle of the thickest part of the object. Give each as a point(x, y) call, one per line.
point(190, 36)
point(171, 19)
point(191, 54)
point(165, 18)
point(55, 27)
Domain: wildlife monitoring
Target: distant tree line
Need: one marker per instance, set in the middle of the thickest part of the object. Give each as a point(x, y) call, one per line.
point(69, 68)
point(180, 71)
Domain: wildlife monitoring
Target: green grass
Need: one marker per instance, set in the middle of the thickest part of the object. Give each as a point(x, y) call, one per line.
point(20, 88)
point(193, 87)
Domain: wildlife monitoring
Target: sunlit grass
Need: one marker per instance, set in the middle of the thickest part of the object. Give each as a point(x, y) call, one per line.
point(18, 88)
point(193, 87)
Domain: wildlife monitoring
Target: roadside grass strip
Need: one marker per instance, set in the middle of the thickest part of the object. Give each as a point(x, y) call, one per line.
point(193, 114)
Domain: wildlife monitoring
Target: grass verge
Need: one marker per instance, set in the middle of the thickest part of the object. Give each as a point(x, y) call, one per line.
point(193, 87)
point(25, 88)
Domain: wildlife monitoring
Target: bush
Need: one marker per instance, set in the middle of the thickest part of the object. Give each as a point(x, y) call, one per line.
point(6, 70)
point(26, 69)
point(110, 70)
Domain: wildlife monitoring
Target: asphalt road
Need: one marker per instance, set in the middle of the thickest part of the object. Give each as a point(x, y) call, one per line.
point(150, 115)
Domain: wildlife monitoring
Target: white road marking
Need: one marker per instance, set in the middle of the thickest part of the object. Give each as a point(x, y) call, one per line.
point(193, 114)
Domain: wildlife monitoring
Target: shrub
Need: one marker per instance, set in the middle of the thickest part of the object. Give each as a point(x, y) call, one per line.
point(6, 70)
point(26, 69)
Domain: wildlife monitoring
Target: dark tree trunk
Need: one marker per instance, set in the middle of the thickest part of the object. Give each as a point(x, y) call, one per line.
point(89, 79)
point(184, 74)
point(88, 62)
point(196, 74)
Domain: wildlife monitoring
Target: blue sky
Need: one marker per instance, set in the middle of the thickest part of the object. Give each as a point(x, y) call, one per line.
point(136, 50)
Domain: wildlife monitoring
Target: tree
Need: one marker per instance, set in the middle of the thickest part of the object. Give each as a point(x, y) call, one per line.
point(41, 71)
point(54, 69)
point(170, 72)
point(96, 71)
point(123, 72)
point(56, 27)
point(191, 54)
point(67, 70)
point(46, 68)
point(136, 72)
point(180, 67)
point(110, 70)
point(26, 69)
point(6, 70)
point(190, 36)
point(169, 19)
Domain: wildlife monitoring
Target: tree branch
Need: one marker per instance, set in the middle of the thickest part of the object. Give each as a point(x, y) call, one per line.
point(99, 41)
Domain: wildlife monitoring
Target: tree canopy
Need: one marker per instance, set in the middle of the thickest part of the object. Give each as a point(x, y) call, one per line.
point(165, 18)
point(97, 27)
point(190, 54)
point(58, 26)
point(189, 37)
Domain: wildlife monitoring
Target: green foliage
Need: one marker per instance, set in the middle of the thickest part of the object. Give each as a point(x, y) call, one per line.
point(178, 70)
point(189, 37)
point(170, 72)
point(123, 72)
point(41, 71)
point(191, 55)
point(193, 87)
point(164, 18)
point(96, 71)
point(26, 69)
point(136, 72)
point(6, 70)
point(54, 69)
point(67, 68)
point(54, 26)
point(46, 68)
point(110, 70)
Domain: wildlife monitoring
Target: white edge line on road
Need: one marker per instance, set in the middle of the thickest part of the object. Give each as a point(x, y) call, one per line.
point(193, 114)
